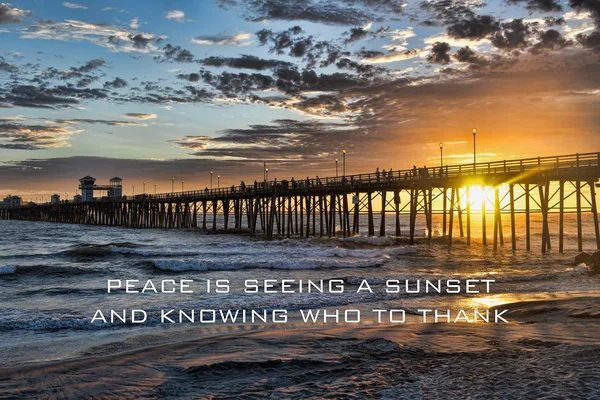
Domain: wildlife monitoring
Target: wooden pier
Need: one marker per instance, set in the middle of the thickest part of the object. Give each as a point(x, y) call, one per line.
point(333, 206)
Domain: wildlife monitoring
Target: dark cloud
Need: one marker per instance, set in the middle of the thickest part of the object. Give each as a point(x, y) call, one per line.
point(9, 15)
point(467, 55)
point(366, 54)
point(440, 53)
point(592, 6)
point(6, 66)
point(90, 65)
point(38, 97)
point(298, 45)
point(591, 41)
point(244, 62)
point(175, 54)
point(140, 41)
point(513, 35)
point(193, 77)
point(539, 5)
point(475, 28)
point(550, 40)
point(330, 12)
point(356, 34)
point(280, 140)
point(116, 83)
point(553, 21)
point(443, 12)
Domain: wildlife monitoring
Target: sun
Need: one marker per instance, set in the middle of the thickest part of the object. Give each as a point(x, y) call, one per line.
point(478, 195)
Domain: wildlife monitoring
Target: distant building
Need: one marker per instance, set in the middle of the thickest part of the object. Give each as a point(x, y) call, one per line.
point(77, 198)
point(54, 199)
point(116, 187)
point(11, 201)
point(88, 185)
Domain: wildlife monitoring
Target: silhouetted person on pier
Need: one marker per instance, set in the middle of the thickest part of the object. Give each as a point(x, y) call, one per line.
point(414, 171)
point(425, 172)
point(390, 175)
point(377, 174)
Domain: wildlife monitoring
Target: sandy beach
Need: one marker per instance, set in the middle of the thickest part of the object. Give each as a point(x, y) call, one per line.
point(549, 350)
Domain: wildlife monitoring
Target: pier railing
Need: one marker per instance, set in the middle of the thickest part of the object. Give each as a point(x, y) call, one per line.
point(571, 162)
point(554, 163)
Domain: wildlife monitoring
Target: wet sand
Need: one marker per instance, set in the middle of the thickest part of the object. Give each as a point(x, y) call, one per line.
point(551, 349)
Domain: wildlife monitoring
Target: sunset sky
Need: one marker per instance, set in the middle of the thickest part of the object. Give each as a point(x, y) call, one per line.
point(150, 90)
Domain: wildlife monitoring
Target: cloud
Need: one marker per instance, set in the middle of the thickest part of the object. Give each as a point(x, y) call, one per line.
point(9, 15)
point(393, 57)
point(73, 5)
point(19, 136)
point(442, 12)
point(513, 35)
point(338, 12)
point(116, 83)
point(244, 62)
point(56, 97)
point(141, 116)
point(134, 23)
point(474, 28)
point(114, 38)
point(239, 39)
point(539, 5)
point(440, 53)
point(75, 121)
point(283, 139)
point(176, 15)
point(175, 54)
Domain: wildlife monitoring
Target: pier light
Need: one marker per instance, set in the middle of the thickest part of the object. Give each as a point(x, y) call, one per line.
point(344, 162)
point(218, 181)
point(211, 180)
point(336, 167)
point(144, 188)
point(441, 154)
point(172, 184)
point(155, 188)
point(182, 186)
point(266, 174)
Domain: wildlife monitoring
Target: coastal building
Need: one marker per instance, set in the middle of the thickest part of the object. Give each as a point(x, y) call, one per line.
point(11, 201)
point(88, 186)
point(54, 199)
point(77, 198)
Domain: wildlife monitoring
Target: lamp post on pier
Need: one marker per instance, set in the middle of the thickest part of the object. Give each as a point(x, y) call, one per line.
point(344, 162)
point(474, 148)
point(336, 167)
point(218, 181)
point(265, 172)
point(173, 185)
point(182, 186)
point(211, 180)
point(441, 154)
point(155, 188)
point(144, 188)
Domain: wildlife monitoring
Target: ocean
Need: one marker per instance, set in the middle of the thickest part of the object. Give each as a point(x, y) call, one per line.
point(54, 277)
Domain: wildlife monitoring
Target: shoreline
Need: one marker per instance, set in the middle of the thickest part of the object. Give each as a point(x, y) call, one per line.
point(148, 372)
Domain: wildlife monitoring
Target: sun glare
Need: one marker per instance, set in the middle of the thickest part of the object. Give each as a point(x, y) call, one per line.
point(478, 195)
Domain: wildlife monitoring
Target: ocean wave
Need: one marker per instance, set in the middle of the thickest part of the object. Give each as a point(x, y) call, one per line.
point(95, 250)
point(7, 269)
point(299, 263)
point(43, 270)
